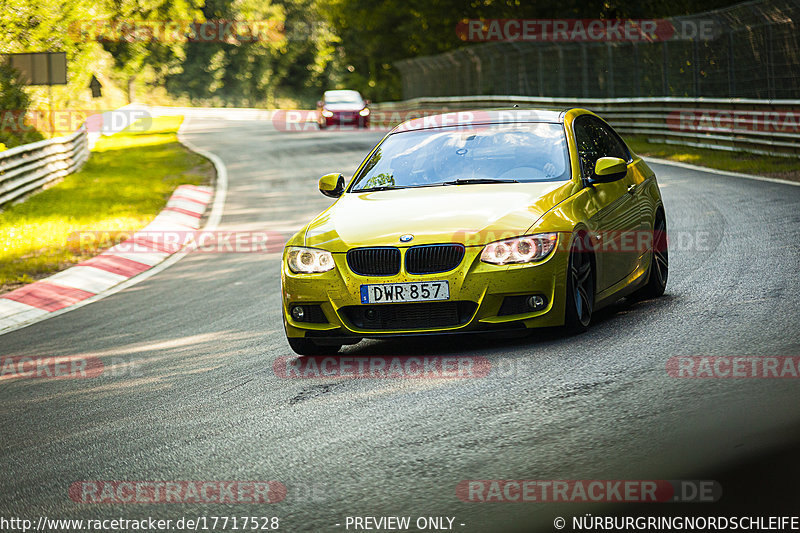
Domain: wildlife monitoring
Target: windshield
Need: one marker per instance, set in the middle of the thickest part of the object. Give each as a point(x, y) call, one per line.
point(524, 152)
point(344, 97)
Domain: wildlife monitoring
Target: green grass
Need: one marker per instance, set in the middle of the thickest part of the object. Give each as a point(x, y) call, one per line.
point(764, 165)
point(125, 183)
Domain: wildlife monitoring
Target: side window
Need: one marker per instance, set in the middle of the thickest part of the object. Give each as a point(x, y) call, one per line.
point(589, 149)
point(595, 140)
point(612, 144)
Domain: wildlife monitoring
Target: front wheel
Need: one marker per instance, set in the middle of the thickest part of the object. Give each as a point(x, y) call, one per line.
point(303, 346)
point(659, 263)
point(580, 286)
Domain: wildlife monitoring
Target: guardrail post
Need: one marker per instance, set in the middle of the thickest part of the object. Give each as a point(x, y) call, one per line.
point(637, 71)
point(610, 68)
point(665, 68)
point(770, 66)
point(584, 71)
point(506, 80)
point(695, 68)
point(540, 72)
point(731, 63)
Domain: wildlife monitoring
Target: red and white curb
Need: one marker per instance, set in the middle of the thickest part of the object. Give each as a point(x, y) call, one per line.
point(115, 270)
point(109, 269)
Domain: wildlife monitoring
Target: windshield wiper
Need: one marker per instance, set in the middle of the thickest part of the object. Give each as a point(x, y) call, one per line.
point(460, 181)
point(390, 187)
point(379, 188)
point(470, 181)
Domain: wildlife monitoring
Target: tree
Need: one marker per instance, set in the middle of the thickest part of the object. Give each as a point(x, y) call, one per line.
point(14, 104)
point(134, 50)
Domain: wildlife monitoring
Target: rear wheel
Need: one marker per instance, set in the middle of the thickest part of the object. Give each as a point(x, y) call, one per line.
point(580, 286)
point(659, 264)
point(303, 346)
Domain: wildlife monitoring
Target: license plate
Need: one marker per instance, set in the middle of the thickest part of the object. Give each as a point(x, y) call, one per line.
point(405, 292)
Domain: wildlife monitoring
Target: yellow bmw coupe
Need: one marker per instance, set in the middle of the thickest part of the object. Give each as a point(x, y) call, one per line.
point(476, 221)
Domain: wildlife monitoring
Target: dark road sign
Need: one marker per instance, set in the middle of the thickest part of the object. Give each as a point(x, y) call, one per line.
point(40, 68)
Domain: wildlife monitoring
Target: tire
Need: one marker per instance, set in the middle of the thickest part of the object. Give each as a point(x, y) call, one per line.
point(580, 286)
point(303, 346)
point(659, 264)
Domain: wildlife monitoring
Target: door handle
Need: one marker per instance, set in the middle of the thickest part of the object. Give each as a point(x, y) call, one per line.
point(632, 189)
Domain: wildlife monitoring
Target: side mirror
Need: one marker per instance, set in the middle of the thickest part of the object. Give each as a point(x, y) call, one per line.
point(608, 169)
point(367, 102)
point(320, 103)
point(332, 185)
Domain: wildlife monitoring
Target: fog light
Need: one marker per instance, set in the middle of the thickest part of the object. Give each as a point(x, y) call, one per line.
point(298, 313)
point(535, 302)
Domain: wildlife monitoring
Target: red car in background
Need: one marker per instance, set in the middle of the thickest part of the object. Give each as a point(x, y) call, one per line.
point(342, 108)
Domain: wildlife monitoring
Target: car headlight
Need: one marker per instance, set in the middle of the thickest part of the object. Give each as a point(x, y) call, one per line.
point(326, 113)
point(309, 260)
point(525, 249)
point(364, 112)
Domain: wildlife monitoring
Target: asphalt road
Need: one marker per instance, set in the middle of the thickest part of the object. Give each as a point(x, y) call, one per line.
point(189, 392)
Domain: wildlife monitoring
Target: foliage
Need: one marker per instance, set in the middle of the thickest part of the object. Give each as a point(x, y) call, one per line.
point(326, 44)
point(13, 99)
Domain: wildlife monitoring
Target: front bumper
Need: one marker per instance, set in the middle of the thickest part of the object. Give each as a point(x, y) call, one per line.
point(480, 286)
point(346, 118)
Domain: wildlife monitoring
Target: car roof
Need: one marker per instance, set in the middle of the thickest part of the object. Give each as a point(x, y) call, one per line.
point(468, 117)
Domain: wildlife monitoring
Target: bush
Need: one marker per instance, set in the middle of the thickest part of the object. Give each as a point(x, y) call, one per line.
point(13, 99)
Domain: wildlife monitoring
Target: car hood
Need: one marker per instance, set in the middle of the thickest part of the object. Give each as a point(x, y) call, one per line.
point(470, 214)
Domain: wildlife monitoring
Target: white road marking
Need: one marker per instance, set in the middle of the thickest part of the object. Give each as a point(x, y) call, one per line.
point(719, 172)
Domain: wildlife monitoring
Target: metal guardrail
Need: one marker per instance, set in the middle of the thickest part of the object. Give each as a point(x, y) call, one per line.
point(770, 127)
point(29, 167)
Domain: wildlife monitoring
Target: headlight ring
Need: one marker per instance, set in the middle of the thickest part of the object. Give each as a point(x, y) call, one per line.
point(303, 260)
point(524, 249)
